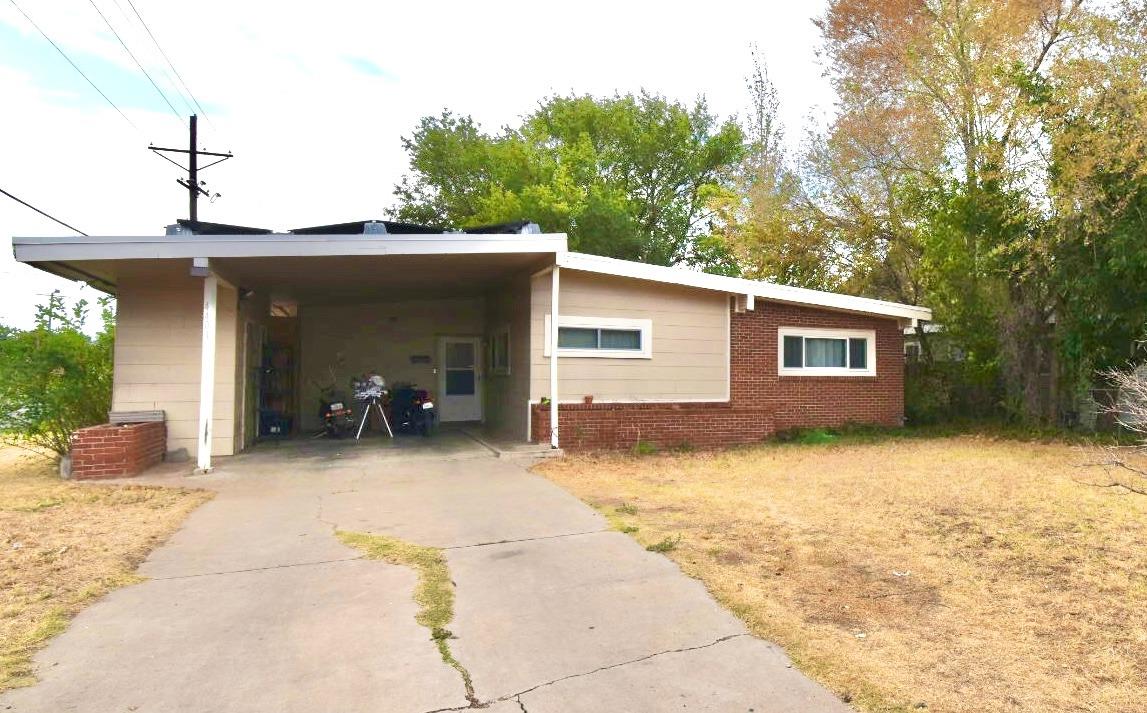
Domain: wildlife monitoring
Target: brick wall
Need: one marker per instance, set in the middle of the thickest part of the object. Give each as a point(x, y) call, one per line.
point(117, 451)
point(809, 401)
point(761, 401)
point(700, 425)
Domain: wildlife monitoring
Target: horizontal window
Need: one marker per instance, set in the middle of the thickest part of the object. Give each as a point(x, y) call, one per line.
point(826, 352)
point(590, 338)
point(606, 337)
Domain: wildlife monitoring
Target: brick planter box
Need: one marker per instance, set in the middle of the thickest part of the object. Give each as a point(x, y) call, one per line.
point(117, 451)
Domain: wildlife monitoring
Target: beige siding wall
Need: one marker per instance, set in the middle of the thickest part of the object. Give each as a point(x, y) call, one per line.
point(508, 395)
point(380, 337)
point(690, 360)
point(158, 328)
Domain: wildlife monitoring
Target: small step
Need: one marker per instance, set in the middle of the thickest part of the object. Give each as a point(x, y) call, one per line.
point(513, 450)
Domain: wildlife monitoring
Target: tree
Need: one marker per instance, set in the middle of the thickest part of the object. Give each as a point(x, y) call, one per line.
point(626, 176)
point(941, 132)
point(1095, 105)
point(762, 219)
point(54, 378)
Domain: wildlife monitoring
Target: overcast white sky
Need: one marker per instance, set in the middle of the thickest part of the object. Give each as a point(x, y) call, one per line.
point(314, 97)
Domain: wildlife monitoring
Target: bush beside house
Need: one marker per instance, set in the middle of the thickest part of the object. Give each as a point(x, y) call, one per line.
point(56, 378)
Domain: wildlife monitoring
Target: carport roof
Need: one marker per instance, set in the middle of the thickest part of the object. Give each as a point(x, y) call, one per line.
point(94, 259)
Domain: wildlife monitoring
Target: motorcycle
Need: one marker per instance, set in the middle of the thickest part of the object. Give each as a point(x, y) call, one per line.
point(338, 418)
point(413, 410)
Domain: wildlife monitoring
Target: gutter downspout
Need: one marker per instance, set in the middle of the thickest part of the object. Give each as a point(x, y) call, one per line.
point(207, 371)
point(554, 285)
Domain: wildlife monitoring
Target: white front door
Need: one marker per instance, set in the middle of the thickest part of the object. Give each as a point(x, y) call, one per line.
point(459, 379)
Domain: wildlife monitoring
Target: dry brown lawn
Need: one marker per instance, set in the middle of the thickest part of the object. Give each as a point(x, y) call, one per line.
point(62, 545)
point(949, 574)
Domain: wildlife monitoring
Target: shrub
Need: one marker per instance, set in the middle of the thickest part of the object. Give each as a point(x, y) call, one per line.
point(644, 448)
point(54, 378)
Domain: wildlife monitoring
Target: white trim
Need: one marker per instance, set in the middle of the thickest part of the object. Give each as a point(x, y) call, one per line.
point(552, 341)
point(565, 320)
point(739, 286)
point(207, 372)
point(40, 249)
point(694, 400)
point(846, 334)
point(728, 355)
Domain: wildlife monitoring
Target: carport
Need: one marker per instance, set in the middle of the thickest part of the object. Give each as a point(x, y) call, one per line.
point(220, 326)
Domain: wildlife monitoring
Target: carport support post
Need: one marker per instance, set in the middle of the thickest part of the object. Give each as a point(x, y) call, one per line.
point(207, 370)
point(554, 284)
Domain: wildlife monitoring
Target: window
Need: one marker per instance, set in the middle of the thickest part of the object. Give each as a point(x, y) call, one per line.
point(827, 352)
point(605, 337)
point(589, 338)
point(500, 352)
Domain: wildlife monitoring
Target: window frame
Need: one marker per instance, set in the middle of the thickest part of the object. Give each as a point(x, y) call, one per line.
point(645, 326)
point(816, 333)
point(497, 369)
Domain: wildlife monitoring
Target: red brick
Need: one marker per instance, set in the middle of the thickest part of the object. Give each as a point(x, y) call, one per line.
point(114, 451)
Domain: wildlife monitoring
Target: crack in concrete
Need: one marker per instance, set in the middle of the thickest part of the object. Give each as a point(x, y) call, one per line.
point(526, 539)
point(721, 640)
point(257, 569)
point(319, 515)
point(517, 697)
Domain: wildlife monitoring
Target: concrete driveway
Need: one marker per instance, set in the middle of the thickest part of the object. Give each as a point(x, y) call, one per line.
point(255, 606)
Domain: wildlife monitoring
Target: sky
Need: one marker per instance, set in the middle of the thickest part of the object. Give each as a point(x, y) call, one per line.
point(313, 98)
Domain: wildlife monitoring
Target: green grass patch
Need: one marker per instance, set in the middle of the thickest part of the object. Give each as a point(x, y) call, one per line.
point(644, 448)
point(667, 544)
point(434, 592)
point(859, 433)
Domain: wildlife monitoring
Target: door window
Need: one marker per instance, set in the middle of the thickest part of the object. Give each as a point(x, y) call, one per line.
point(461, 358)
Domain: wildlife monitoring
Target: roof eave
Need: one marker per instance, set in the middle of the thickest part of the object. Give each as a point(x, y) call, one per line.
point(735, 285)
point(46, 249)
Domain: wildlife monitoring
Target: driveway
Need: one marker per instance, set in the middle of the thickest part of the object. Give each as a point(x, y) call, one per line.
point(254, 605)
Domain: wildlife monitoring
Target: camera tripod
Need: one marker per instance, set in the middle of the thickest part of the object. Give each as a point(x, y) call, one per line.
point(374, 402)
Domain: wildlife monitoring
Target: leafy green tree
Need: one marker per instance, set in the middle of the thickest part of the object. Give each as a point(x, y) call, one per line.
point(941, 129)
point(1095, 105)
point(629, 176)
point(54, 378)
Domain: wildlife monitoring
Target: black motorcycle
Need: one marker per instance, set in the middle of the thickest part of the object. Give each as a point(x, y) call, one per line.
point(413, 410)
point(338, 418)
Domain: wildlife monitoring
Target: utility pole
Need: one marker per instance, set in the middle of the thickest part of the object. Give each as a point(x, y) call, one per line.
point(194, 186)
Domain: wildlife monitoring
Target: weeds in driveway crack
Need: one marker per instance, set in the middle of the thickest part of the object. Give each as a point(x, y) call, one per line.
point(434, 593)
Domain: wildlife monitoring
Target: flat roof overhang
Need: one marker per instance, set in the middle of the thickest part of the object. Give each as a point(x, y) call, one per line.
point(347, 265)
point(751, 289)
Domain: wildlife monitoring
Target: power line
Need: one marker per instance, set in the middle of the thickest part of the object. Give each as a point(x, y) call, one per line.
point(46, 215)
point(185, 106)
point(169, 63)
point(75, 67)
point(137, 62)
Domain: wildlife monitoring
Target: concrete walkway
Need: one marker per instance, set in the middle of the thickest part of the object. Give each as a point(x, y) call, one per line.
point(255, 605)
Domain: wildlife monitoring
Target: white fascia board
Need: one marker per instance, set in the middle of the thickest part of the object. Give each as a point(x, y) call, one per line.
point(740, 286)
point(40, 249)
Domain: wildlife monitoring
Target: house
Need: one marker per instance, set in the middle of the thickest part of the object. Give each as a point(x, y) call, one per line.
point(227, 330)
